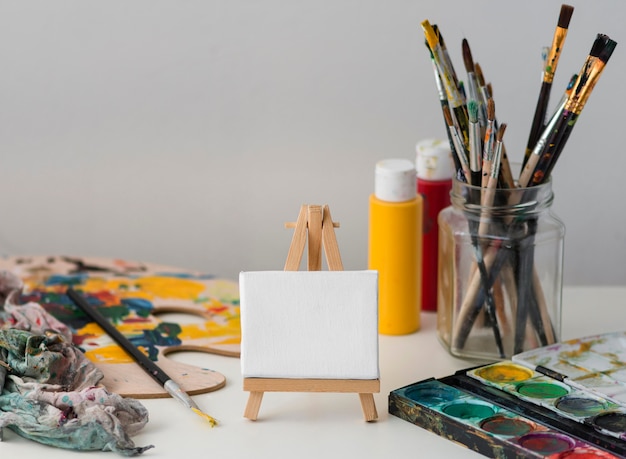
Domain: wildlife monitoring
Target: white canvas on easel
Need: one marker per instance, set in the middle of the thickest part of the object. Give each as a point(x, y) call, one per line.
point(310, 331)
point(309, 324)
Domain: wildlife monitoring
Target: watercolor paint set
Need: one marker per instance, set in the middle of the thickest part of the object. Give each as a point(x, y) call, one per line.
point(560, 401)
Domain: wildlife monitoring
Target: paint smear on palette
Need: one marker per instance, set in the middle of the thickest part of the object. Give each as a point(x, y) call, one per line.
point(132, 295)
point(595, 363)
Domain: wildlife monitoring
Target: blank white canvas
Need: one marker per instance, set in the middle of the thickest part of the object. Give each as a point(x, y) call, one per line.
point(309, 324)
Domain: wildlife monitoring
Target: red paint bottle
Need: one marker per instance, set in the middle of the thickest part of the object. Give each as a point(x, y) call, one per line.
point(435, 169)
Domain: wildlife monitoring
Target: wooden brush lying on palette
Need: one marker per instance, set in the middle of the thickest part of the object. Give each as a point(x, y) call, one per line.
point(477, 142)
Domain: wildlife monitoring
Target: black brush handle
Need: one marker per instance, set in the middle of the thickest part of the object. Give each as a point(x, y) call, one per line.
point(146, 364)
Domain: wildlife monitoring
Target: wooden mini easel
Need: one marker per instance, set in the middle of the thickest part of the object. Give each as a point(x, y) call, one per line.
point(321, 233)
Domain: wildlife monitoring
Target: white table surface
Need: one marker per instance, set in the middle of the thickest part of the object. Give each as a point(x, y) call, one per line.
point(317, 425)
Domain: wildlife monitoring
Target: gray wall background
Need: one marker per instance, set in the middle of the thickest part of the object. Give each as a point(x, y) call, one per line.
point(188, 132)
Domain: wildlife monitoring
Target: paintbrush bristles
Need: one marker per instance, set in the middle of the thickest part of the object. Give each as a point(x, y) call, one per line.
point(467, 57)
point(472, 111)
point(491, 109)
point(602, 47)
point(598, 45)
point(480, 78)
point(448, 116)
point(565, 16)
point(430, 34)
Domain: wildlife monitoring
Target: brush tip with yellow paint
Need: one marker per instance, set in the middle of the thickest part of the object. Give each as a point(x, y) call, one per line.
point(430, 34)
point(212, 421)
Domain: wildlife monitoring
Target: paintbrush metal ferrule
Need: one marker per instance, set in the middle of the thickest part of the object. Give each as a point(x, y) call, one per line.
point(541, 143)
point(179, 394)
point(548, 129)
point(457, 142)
point(589, 75)
point(496, 161)
point(553, 57)
point(497, 155)
point(441, 93)
point(460, 149)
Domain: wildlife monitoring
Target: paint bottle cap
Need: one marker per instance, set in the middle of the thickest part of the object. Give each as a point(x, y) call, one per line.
point(395, 180)
point(433, 160)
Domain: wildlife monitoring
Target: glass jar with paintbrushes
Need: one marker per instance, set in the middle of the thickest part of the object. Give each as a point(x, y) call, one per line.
point(500, 270)
point(500, 246)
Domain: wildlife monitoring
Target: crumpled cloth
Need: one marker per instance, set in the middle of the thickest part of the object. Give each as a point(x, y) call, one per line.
point(50, 392)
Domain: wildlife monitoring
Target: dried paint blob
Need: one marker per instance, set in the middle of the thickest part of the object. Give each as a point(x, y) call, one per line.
point(580, 406)
point(432, 393)
point(613, 422)
point(586, 453)
point(469, 410)
point(504, 373)
point(510, 427)
point(542, 390)
point(546, 442)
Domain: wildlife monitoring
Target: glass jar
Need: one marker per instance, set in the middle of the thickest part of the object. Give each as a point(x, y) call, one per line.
point(500, 272)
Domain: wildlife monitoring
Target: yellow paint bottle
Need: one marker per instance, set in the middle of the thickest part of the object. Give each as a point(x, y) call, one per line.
point(395, 237)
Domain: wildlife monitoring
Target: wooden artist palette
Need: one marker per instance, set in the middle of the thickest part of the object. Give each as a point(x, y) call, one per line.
point(133, 295)
point(575, 388)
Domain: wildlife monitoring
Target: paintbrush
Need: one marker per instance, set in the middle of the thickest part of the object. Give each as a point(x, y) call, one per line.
point(482, 268)
point(593, 67)
point(142, 360)
point(474, 196)
point(533, 159)
point(456, 99)
point(505, 178)
point(487, 198)
point(472, 83)
point(443, 101)
point(549, 69)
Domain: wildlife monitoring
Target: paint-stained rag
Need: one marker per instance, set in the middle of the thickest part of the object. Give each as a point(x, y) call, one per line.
point(50, 392)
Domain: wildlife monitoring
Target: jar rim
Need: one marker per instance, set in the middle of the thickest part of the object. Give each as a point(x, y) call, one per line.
point(522, 200)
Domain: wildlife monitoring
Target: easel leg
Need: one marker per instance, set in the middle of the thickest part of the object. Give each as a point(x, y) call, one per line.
point(369, 407)
point(253, 406)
